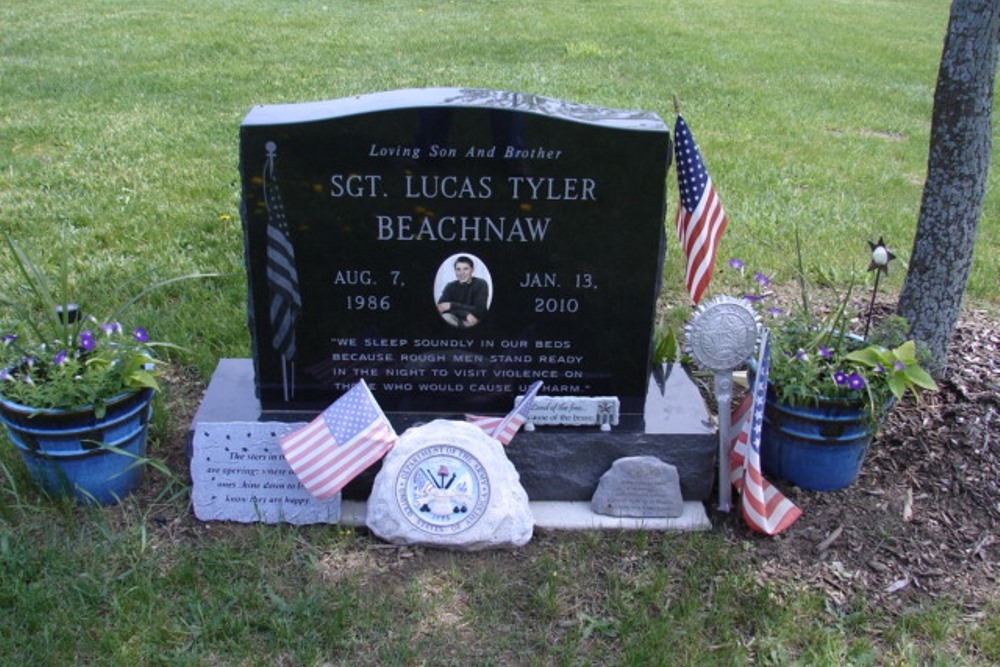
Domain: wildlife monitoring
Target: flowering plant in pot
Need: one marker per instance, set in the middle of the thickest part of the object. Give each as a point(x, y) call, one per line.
point(75, 389)
point(829, 388)
point(77, 367)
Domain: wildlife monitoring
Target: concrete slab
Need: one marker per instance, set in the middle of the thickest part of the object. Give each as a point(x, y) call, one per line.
point(558, 515)
point(230, 398)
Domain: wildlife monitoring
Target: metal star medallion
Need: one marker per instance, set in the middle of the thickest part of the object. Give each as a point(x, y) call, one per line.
point(881, 256)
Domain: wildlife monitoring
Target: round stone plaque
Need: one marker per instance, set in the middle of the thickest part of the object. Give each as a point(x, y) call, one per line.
point(442, 489)
point(722, 334)
point(448, 484)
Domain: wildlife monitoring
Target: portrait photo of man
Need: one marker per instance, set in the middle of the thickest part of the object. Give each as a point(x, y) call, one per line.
point(463, 302)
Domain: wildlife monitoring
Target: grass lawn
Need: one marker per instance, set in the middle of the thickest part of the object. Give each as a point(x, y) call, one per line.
point(118, 155)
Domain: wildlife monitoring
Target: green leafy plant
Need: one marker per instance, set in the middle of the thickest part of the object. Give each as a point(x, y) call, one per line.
point(900, 367)
point(666, 349)
point(53, 357)
point(815, 358)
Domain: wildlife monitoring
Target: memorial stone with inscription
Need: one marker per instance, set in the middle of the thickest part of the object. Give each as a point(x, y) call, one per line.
point(451, 246)
point(639, 486)
point(238, 473)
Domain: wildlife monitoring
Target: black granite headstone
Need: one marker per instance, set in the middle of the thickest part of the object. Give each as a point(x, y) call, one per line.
point(363, 218)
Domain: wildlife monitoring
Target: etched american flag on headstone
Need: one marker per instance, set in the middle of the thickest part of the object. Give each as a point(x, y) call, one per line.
point(282, 276)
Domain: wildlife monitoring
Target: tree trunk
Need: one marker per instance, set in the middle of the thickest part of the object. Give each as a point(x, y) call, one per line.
point(957, 168)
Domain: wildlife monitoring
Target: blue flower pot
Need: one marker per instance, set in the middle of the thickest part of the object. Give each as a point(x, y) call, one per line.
point(68, 454)
point(820, 448)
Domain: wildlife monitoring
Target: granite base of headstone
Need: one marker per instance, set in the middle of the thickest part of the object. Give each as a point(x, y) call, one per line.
point(554, 463)
point(641, 487)
point(447, 484)
point(675, 427)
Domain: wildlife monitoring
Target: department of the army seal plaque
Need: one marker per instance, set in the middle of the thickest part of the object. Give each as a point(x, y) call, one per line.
point(449, 484)
point(722, 334)
point(442, 489)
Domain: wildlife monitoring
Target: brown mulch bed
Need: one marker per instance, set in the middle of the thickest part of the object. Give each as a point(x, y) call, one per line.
point(923, 519)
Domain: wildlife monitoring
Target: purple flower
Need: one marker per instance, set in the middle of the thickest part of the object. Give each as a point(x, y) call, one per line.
point(840, 378)
point(801, 355)
point(774, 311)
point(899, 365)
point(111, 328)
point(879, 368)
point(855, 382)
point(753, 298)
point(5, 376)
point(825, 352)
point(87, 342)
point(140, 334)
point(761, 279)
point(60, 358)
point(8, 339)
point(736, 263)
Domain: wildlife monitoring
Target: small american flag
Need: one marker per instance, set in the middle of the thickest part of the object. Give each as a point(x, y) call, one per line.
point(505, 428)
point(700, 218)
point(765, 509)
point(348, 437)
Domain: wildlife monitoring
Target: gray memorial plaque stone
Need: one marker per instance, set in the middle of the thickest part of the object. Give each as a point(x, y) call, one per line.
point(639, 486)
point(239, 474)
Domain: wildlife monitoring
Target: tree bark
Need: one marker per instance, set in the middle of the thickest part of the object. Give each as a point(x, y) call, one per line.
point(957, 169)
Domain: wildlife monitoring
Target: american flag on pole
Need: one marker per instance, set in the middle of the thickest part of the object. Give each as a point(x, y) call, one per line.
point(282, 275)
point(504, 428)
point(765, 509)
point(348, 437)
point(700, 218)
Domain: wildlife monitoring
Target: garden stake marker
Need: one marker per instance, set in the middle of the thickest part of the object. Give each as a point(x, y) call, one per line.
point(881, 256)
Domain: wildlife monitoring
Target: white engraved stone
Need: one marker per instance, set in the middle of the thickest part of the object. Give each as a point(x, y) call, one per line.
point(447, 484)
point(639, 486)
point(674, 403)
point(238, 473)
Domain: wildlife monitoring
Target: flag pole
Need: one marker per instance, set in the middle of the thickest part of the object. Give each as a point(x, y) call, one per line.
point(724, 397)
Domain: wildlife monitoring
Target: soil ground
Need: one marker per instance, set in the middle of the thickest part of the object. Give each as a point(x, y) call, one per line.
point(923, 518)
